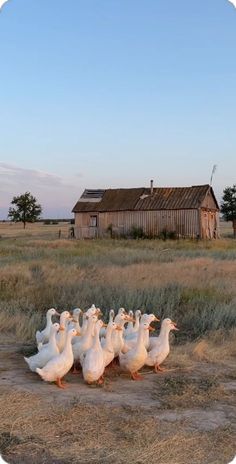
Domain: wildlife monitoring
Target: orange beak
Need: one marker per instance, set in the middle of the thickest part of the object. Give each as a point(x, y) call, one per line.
point(129, 318)
point(151, 328)
point(104, 325)
point(98, 312)
point(175, 325)
point(119, 327)
point(57, 314)
point(61, 328)
point(78, 333)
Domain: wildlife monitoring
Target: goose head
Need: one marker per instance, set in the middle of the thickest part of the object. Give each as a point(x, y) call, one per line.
point(65, 316)
point(92, 310)
point(137, 314)
point(72, 333)
point(169, 324)
point(121, 311)
point(113, 326)
point(52, 312)
point(55, 327)
point(76, 314)
point(111, 314)
point(146, 326)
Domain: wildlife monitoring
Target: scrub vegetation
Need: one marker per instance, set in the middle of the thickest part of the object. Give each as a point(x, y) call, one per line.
point(191, 282)
point(184, 415)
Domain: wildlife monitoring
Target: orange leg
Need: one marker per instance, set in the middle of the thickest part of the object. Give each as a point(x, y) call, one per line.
point(157, 368)
point(59, 384)
point(100, 380)
point(136, 376)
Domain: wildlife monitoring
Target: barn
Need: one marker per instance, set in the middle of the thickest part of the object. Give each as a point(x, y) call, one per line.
point(183, 211)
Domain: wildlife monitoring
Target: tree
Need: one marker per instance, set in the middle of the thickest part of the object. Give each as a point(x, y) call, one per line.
point(228, 205)
point(26, 209)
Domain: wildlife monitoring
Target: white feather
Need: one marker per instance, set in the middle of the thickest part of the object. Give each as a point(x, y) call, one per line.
point(2, 460)
point(1, 5)
point(233, 2)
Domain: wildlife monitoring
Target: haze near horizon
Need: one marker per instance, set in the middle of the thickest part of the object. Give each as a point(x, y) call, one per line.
point(113, 95)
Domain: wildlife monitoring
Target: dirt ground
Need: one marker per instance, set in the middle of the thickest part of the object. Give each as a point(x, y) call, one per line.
point(183, 415)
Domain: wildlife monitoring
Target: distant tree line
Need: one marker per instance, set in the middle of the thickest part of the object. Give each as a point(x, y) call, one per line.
point(228, 206)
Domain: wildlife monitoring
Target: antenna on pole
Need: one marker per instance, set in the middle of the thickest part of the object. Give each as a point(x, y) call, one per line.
point(212, 173)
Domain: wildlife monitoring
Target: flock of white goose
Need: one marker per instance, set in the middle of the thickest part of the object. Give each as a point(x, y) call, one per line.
point(83, 339)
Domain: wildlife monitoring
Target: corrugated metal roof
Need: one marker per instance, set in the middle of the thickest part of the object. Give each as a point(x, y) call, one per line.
point(140, 199)
point(174, 198)
point(120, 199)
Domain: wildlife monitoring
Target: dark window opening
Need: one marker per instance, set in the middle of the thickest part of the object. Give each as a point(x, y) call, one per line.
point(93, 221)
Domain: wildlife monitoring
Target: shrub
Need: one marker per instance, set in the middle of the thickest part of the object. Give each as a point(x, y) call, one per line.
point(136, 232)
point(168, 235)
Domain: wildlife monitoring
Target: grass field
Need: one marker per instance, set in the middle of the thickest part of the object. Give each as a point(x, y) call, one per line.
point(186, 415)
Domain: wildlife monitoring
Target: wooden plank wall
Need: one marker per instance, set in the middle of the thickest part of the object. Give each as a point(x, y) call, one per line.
point(183, 222)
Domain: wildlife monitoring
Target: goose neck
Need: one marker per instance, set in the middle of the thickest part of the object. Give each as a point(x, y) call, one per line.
point(164, 333)
point(49, 318)
point(52, 338)
point(140, 338)
point(68, 346)
point(96, 341)
point(108, 340)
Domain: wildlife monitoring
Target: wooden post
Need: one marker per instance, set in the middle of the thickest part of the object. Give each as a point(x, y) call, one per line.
point(234, 227)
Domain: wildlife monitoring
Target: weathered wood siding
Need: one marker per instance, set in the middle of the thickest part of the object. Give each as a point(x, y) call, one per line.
point(185, 222)
point(209, 202)
point(209, 224)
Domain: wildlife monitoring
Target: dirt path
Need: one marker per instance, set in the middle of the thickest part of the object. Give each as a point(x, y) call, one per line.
point(200, 400)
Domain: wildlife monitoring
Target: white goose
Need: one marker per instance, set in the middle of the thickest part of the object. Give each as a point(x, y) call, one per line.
point(93, 311)
point(121, 311)
point(161, 349)
point(47, 351)
point(134, 333)
point(1, 459)
point(137, 316)
point(130, 327)
point(43, 335)
point(57, 367)
point(111, 318)
point(107, 345)
point(132, 339)
point(94, 362)
point(75, 323)
point(65, 317)
point(85, 341)
point(117, 336)
point(135, 358)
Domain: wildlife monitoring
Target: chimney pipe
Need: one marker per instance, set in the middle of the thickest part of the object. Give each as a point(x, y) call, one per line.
point(151, 186)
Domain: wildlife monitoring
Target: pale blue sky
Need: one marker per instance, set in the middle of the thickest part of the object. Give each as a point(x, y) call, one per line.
point(112, 93)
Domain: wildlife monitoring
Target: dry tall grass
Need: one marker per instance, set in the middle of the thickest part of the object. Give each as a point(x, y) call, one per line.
point(192, 282)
